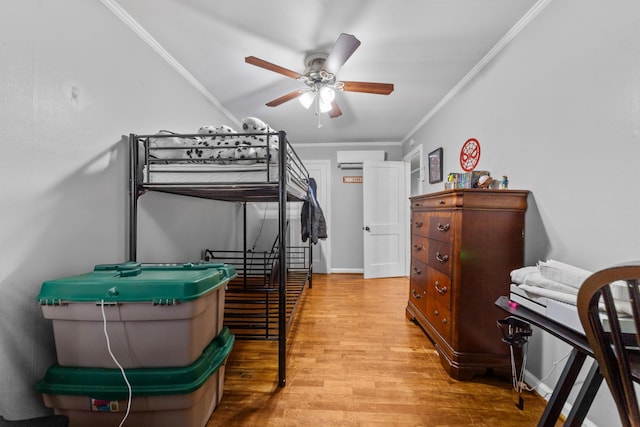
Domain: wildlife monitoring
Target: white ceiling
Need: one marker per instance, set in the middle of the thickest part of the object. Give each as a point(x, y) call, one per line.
point(426, 48)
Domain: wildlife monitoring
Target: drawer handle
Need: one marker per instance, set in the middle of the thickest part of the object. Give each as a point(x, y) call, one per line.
point(415, 294)
point(444, 320)
point(419, 224)
point(417, 270)
point(417, 205)
point(418, 248)
point(443, 228)
point(442, 258)
point(441, 202)
point(440, 290)
point(436, 312)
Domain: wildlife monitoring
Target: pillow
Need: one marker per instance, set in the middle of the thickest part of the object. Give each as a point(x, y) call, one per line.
point(264, 145)
point(245, 155)
point(218, 144)
point(156, 145)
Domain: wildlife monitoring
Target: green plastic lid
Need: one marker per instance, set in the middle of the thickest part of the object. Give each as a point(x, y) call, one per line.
point(108, 384)
point(136, 282)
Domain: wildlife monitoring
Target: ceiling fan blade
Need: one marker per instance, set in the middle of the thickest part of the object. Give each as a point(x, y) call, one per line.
point(285, 98)
point(368, 87)
point(335, 110)
point(342, 49)
point(271, 67)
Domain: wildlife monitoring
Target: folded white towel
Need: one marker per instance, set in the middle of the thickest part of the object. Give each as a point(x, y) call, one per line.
point(550, 293)
point(518, 275)
point(561, 282)
point(564, 273)
point(537, 279)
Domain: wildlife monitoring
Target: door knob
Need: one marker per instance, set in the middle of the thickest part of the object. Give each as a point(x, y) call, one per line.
point(366, 228)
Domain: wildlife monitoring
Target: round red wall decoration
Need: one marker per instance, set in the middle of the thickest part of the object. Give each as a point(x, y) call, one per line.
point(470, 154)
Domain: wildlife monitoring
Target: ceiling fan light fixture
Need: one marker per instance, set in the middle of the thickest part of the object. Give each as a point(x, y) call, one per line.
point(306, 99)
point(327, 95)
point(325, 107)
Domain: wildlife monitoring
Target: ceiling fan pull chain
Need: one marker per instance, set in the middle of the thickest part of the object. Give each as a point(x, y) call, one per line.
point(317, 99)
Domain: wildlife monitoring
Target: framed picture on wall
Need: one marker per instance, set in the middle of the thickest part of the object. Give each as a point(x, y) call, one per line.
point(435, 166)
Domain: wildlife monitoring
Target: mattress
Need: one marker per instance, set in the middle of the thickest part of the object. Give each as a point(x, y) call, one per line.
point(190, 173)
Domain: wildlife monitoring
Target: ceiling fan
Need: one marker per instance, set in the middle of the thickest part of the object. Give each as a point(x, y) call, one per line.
point(320, 77)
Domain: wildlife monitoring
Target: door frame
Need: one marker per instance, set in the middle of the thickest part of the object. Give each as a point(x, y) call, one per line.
point(325, 204)
point(415, 153)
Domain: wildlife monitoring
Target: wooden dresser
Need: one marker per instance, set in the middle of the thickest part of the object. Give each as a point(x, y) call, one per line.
point(464, 244)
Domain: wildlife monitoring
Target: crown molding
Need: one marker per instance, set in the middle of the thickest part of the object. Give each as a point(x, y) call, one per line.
point(128, 20)
point(504, 41)
point(346, 144)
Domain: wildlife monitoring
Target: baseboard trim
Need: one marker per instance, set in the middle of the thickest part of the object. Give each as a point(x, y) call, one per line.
point(347, 270)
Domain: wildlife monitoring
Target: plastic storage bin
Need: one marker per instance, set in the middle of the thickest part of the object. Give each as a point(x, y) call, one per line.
point(170, 397)
point(157, 315)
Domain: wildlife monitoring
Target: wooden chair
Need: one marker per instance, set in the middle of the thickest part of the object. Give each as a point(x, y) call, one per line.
point(615, 340)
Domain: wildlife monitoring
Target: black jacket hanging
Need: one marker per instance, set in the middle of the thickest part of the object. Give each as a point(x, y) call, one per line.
point(312, 219)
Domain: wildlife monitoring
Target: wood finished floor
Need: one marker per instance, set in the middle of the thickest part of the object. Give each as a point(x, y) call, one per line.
point(355, 360)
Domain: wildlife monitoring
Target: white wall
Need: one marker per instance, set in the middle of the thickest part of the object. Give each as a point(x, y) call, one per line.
point(73, 80)
point(558, 111)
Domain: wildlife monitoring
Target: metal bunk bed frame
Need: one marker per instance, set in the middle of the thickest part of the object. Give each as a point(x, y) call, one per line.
point(280, 191)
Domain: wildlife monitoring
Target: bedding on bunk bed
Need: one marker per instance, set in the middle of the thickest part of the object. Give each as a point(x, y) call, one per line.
point(218, 155)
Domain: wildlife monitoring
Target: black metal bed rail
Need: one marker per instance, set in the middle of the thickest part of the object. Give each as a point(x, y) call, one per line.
point(251, 266)
point(252, 307)
point(298, 257)
point(253, 313)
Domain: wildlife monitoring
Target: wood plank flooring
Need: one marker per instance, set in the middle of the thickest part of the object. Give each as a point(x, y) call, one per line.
point(355, 360)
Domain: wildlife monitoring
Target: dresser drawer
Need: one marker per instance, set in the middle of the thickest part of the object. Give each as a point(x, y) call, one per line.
point(441, 201)
point(436, 225)
point(439, 287)
point(439, 317)
point(420, 224)
point(418, 270)
point(440, 226)
point(417, 285)
point(419, 247)
point(440, 256)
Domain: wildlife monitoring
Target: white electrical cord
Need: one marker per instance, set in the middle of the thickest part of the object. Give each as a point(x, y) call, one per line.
point(106, 335)
point(555, 364)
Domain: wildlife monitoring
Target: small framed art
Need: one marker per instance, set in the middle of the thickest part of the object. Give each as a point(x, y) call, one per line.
point(435, 166)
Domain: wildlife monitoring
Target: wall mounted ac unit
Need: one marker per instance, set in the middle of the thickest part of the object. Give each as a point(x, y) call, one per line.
point(354, 159)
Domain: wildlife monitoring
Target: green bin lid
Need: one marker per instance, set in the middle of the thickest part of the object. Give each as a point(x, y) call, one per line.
point(136, 282)
point(109, 384)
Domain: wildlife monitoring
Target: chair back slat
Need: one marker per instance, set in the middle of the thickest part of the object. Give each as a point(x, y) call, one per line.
point(607, 327)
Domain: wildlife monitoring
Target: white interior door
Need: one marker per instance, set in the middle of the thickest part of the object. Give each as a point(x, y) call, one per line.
point(384, 219)
point(320, 171)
